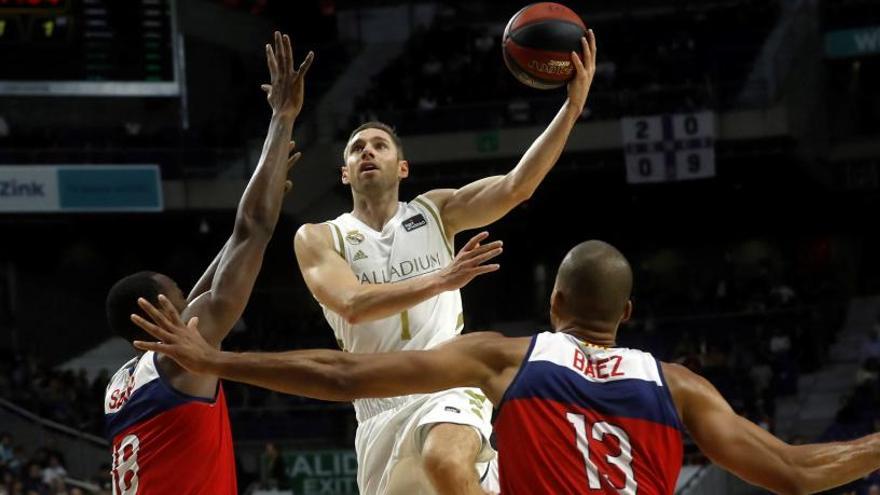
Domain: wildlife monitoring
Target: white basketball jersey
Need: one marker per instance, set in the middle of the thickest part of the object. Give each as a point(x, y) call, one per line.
point(412, 244)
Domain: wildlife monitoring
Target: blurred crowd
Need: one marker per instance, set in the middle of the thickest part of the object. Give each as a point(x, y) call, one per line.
point(40, 470)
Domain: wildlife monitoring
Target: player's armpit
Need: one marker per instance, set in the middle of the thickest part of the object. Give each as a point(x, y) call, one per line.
point(757, 456)
point(479, 203)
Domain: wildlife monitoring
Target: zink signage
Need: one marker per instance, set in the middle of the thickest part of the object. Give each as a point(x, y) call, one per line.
point(322, 472)
point(80, 188)
point(845, 43)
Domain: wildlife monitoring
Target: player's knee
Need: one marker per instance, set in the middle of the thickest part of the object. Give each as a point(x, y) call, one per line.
point(447, 469)
point(449, 453)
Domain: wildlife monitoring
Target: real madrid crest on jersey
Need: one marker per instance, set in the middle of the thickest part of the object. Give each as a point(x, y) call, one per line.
point(354, 237)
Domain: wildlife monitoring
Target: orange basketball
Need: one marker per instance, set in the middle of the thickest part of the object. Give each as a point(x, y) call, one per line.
point(538, 42)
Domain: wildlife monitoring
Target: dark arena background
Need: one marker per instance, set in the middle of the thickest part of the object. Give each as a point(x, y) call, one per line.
point(730, 148)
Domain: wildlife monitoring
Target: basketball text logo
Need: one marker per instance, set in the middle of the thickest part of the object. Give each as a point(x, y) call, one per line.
point(551, 67)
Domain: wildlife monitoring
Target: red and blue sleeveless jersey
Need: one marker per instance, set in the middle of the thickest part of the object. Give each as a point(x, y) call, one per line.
point(164, 441)
point(580, 419)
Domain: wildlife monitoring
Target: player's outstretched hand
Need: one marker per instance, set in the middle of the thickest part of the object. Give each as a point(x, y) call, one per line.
point(469, 262)
point(286, 90)
point(182, 343)
point(585, 69)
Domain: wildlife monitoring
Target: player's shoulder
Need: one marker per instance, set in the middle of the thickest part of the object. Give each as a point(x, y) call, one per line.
point(681, 375)
point(686, 386)
point(313, 235)
point(436, 198)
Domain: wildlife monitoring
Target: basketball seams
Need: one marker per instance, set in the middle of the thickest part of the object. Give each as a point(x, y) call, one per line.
point(522, 35)
point(542, 11)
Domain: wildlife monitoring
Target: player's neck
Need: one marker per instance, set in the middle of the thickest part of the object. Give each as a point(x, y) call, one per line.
point(375, 211)
point(594, 333)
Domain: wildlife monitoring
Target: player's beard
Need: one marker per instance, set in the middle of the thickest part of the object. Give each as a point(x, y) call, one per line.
point(376, 186)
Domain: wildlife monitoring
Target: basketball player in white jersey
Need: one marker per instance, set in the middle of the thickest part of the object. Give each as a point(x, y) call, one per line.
point(387, 279)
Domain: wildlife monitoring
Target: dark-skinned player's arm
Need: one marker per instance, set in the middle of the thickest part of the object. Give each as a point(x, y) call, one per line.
point(485, 360)
point(204, 283)
point(487, 200)
point(335, 285)
point(755, 455)
point(239, 262)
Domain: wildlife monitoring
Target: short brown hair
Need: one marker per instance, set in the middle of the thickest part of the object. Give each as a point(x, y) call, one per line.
point(375, 124)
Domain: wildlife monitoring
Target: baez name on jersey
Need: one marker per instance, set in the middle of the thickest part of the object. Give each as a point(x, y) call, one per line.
point(598, 368)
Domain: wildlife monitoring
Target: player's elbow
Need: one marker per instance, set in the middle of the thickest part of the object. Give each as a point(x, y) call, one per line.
point(793, 481)
point(352, 310)
point(519, 193)
point(350, 315)
point(253, 226)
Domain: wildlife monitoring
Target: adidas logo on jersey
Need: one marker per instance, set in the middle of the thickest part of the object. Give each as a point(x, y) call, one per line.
point(359, 256)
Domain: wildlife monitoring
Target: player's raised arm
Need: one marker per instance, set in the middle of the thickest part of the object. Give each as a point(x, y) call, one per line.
point(755, 455)
point(487, 200)
point(485, 360)
point(238, 264)
point(335, 285)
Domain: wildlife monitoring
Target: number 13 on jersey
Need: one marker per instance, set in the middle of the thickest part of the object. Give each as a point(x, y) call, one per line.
point(622, 461)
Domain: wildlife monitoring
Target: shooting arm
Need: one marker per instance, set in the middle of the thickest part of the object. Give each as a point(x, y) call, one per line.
point(487, 200)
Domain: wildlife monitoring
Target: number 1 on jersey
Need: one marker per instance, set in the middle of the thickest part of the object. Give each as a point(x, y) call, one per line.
point(404, 326)
point(622, 461)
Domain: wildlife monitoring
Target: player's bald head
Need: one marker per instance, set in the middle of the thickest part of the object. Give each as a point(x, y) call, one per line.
point(595, 281)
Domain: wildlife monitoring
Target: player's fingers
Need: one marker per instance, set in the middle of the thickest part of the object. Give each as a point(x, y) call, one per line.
point(474, 241)
point(576, 61)
point(290, 147)
point(585, 50)
point(272, 61)
point(193, 323)
point(279, 50)
point(484, 248)
point(151, 328)
point(170, 311)
point(288, 185)
point(479, 260)
point(304, 66)
point(288, 51)
point(267, 88)
point(279, 53)
point(591, 37)
point(486, 269)
point(293, 159)
point(153, 313)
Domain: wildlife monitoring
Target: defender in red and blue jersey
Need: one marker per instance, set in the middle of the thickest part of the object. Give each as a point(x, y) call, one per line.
point(576, 414)
point(580, 417)
point(157, 431)
point(169, 427)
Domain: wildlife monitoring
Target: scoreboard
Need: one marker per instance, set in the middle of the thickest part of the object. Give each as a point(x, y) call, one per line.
point(666, 148)
point(89, 48)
